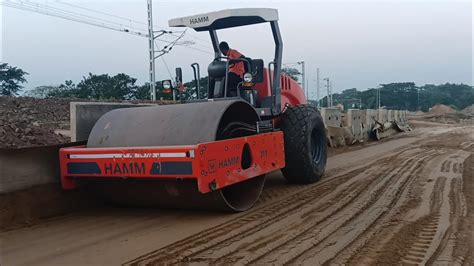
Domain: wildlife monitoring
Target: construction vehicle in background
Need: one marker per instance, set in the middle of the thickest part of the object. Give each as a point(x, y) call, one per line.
point(209, 153)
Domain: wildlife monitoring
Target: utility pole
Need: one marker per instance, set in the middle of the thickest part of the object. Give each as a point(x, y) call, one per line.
point(329, 104)
point(303, 83)
point(330, 93)
point(317, 87)
point(418, 101)
point(151, 51)
point(307, 92)
point(378, 97)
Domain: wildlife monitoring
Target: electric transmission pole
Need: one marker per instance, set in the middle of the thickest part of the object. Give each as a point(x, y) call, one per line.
point(378, 96)
point(328, 89)
point(317, 86)
point(151, 51)
point(303, 83)
point(330, 93)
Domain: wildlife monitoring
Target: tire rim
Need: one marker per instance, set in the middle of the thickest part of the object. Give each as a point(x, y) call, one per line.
point(316, 150)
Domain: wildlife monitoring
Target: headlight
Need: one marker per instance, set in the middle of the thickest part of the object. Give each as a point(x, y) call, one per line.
point(248, 77)
point(166, 84)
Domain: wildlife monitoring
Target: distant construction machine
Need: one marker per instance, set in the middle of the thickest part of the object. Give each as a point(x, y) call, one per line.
point(209, 153)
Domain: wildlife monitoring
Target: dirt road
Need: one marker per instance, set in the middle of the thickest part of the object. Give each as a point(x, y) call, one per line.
point(405, 200)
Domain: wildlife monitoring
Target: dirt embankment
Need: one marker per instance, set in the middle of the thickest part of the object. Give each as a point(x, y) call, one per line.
point(441, 109)
point(29, 122)
point(441, 113)
point(26, 122)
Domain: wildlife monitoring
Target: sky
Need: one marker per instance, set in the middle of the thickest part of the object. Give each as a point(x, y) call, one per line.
point(357, 44)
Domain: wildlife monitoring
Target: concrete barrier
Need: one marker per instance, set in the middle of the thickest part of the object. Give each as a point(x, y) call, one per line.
point(354, 122)
point(404, 116)
point(331, 117)
point(368, 118)
point(85, 114)
point(339, 136)
point(382, 115)
point(396, 116)
point(390, 115)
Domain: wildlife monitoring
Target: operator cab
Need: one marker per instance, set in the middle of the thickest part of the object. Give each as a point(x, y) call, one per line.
point(218, 69)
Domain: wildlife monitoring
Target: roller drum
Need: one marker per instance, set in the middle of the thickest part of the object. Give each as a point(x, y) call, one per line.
point(168, 125)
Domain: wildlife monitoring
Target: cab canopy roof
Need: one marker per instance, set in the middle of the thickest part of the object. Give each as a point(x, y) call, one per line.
point(227, 18)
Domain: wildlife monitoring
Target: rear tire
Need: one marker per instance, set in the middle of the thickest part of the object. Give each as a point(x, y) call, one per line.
point(305, 144)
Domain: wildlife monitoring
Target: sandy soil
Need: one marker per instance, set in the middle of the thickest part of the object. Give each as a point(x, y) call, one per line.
point(407, 200)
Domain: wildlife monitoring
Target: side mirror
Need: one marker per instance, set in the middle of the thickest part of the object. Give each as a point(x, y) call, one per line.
point(179, 75)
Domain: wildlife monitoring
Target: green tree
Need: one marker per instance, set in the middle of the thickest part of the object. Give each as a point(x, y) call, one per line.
point(66, 90)
point(41, 91)
point(120, 86)
point(10, 79)
point(142, 92)
point(190, 92)
point(406, 95)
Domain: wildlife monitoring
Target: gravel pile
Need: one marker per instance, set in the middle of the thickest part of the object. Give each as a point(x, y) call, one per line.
point(29, 122)
point(26, 122)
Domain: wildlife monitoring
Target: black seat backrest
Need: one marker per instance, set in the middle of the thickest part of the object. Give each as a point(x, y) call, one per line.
point(216, 72)
point(216, 69)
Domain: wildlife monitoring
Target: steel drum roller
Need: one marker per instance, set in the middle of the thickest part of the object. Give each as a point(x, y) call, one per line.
point(167, 125)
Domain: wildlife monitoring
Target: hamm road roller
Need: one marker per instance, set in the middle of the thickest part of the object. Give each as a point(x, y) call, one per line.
point(208, 153)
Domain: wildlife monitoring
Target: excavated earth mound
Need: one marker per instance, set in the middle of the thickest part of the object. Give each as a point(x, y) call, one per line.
point(469, 110)
point(26, 122)
point(441, 109)
point(29, 122)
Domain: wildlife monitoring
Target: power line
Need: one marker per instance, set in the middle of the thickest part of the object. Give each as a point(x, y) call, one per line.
point(187, 44)
point(115, 16)
point(199, 50)
point(93, 21)
point(103, 13)
point(168, 31)
point(78, 17)
point(71, 18)
point(197, 38)
point(71, 13)
point(112, 25)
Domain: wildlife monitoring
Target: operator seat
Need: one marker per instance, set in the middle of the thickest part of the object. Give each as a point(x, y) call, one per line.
point(216, 72)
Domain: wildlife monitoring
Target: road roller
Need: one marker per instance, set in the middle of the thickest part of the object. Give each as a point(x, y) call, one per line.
point(210, 153)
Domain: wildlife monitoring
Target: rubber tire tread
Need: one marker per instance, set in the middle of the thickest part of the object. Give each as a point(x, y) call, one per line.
point(297, 124)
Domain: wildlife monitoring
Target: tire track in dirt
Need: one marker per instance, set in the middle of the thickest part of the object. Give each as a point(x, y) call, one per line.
point(248, 223)
point(360, 249)
point(428, 227)
point(464, 246)
point(431, 239)
point(367, 216)
point(309, 216)
point(201, 247)
point(455, 211)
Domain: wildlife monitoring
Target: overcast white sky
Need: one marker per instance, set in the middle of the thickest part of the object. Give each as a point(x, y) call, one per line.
point(358, 44)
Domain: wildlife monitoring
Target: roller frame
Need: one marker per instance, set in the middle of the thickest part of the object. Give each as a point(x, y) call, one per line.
point(214, 165)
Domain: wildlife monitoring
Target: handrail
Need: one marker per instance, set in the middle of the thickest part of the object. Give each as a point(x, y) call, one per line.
point(197, 77)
